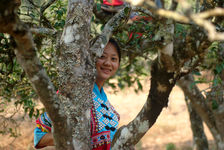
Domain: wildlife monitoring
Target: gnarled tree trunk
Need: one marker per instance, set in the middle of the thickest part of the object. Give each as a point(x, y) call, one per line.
point(200, 141)
point(203, 107)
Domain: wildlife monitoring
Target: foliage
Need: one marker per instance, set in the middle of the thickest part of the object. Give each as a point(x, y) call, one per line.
point(14, 85)
point(134, 65)
point(213, 63)
point(170, 146)
point(58, 17)
point(9, 126)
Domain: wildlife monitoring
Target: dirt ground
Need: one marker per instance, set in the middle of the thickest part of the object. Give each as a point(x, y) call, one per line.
point(172, 126)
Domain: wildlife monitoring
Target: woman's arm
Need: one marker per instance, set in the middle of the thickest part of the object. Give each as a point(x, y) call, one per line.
point(46, 140)
point(42, 133)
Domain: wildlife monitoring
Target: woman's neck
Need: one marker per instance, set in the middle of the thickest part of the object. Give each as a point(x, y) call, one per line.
point(99, 83)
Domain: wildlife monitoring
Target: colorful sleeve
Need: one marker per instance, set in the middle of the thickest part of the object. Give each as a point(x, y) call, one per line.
point(43, 127)
point(44, 123)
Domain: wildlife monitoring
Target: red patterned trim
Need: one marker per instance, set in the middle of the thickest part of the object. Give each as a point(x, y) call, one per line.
point(94, 122)
point(97, 140)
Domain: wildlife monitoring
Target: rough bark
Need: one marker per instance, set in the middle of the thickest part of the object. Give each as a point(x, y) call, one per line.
point(202, 107)
point(76, 74)
point(200, 141)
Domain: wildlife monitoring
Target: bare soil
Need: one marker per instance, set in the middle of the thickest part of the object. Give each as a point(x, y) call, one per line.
point(172, 126)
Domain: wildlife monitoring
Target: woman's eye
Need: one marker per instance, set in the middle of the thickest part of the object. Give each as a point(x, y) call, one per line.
point(114, 59)
point(102, 56)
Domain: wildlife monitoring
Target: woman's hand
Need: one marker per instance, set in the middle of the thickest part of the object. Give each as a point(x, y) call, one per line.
point(47, 140)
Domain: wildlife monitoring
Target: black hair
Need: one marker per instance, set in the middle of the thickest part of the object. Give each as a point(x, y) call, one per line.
point(114, 42)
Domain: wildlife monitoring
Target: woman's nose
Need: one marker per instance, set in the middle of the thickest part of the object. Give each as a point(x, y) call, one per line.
point(107, 62)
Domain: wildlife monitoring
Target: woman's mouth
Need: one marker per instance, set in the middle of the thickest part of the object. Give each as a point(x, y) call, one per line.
point(105, 70)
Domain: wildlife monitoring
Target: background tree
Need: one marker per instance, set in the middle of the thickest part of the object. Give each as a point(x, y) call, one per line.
point(208, 103)
point(179, 41)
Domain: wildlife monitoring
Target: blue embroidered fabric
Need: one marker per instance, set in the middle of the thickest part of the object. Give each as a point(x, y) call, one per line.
point(106, 116)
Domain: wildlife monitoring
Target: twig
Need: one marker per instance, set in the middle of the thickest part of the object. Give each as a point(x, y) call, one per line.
point(32, 3)
point(213, 35)
point(211, 13)
point(43, 8)
point(43, 31)
point(173, 5)
point(145, 11)
point(198, 19)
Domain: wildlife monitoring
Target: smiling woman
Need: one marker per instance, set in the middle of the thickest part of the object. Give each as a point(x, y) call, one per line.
point(108, 63)
point(104, 118)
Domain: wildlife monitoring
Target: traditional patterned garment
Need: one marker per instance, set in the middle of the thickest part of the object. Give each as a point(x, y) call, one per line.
point(44, 123)
point(104, 122)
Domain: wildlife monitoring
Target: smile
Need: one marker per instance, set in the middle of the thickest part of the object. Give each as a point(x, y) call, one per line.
point(105, 70)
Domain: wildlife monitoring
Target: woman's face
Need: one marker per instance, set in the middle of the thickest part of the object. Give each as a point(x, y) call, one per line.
point(108, 63)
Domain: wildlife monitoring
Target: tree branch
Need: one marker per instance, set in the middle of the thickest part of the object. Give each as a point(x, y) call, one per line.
point(113, 24)
point(44, 7)
point(189, 17)
point(32, 3)
point(160, 88)
point(211, 13)
point(174, 5)
point(213, 35)
point(144, 11)
point(198, 102)
point(43, 31)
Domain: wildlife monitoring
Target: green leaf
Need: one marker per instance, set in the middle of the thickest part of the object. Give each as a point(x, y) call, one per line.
point(101, 28)
point(196, 73)
point(98, 7)
point(215, 105)
point(31, 112)
point(1, 35)
point(139, 85)
point(218, 69)
point(32, 15)
point(93, 18)
point(121, 86)
point(126, 11)
point(170, 146)
point(216, 81)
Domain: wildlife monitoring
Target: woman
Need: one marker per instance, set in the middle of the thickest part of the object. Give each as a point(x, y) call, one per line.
point(104, 118)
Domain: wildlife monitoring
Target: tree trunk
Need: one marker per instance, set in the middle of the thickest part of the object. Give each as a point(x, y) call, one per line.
point(76, 74)
point(200, 141)
point(203, 108)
